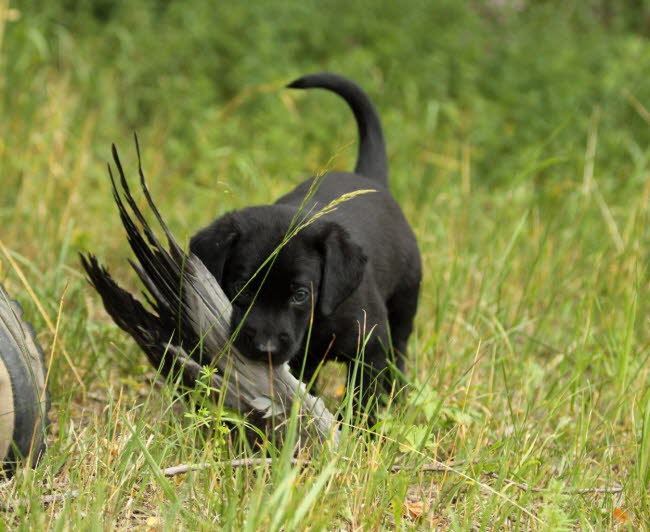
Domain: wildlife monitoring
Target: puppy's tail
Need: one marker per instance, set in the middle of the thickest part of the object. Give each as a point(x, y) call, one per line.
point(371, 160)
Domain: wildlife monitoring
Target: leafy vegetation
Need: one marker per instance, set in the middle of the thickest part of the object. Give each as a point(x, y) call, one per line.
point(519, 140)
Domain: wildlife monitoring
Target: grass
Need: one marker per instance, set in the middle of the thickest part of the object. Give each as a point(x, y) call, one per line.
point(519, 145)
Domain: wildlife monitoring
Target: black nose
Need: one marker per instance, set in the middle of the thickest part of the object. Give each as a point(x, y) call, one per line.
point(260, 345)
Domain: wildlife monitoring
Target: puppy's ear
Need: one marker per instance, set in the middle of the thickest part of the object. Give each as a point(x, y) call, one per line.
point(343, 265)
point(213, 244)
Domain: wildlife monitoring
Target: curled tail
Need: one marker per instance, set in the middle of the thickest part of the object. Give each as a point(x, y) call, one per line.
point(371, 160)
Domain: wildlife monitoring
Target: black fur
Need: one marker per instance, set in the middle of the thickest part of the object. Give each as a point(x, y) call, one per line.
point(354, 270)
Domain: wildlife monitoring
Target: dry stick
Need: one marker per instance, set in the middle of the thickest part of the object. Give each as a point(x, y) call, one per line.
point(439, 467)
point(45, 500)
point(580, 491)
point(185, 468)
point(240, 462)
point(56, 497)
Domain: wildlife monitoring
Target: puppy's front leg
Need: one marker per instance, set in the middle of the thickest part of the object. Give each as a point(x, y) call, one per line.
point(372, 377)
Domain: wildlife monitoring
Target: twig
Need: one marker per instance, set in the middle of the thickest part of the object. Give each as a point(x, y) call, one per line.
point(240, 462)
point(56, 497)
point(579, 491)
point(600, 489)
point(438, 467)
point(185, 468)
point(45, 500)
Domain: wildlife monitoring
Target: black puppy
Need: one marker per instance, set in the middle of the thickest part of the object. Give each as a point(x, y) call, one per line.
point(354, 270)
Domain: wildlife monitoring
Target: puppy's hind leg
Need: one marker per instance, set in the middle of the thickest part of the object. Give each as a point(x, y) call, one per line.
point(401, 313)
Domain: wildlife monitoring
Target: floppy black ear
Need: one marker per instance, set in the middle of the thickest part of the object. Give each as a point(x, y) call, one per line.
point(343, 265)
point(213, 243)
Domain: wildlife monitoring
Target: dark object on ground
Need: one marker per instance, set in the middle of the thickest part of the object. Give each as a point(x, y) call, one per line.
point(187, 328)
point(24, 398)
point(353, 270)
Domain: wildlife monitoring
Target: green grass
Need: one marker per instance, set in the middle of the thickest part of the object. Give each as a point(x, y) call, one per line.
point(519, 145)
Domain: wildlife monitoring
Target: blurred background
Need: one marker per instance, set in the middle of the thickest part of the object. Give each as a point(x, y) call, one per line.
point(514, 83)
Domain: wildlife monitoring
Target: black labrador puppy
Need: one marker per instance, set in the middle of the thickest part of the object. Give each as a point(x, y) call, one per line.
point(349, 276)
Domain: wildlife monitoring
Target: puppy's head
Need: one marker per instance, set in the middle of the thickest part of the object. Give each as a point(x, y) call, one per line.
point(314, 272)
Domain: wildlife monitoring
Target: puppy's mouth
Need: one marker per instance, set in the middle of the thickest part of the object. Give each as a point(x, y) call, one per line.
point(268, 351)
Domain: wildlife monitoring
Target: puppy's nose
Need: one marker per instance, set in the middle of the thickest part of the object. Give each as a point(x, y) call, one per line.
point(270, 346)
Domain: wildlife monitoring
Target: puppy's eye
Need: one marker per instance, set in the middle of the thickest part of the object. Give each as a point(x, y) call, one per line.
point(300, 295)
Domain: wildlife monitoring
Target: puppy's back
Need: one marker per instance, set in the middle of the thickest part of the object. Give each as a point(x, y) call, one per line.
point(374, 221)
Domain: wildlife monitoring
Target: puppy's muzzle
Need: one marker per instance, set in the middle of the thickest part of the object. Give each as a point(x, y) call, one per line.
point(261, 345)
point(270, 346)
